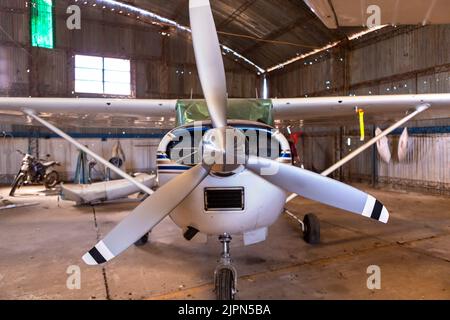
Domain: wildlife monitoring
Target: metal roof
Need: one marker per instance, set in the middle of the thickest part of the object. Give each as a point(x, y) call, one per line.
point(267, 32)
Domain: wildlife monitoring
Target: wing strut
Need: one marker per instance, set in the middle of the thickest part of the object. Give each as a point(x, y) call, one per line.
point(78, 145)
point(419, 109)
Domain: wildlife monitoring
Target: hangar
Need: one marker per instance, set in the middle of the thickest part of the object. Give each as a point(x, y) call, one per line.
point(303, 144)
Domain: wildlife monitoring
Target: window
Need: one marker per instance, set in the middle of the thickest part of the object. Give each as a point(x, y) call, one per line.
point(41, 20)
point(102, 75)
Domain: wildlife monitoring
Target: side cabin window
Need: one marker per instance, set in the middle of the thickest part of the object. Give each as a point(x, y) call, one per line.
point(184, 149)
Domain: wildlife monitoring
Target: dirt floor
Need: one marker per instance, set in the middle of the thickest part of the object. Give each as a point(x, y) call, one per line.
point(39, 244)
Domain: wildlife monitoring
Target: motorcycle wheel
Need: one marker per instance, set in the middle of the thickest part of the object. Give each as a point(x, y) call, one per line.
point(51, 180)
point(17, 183)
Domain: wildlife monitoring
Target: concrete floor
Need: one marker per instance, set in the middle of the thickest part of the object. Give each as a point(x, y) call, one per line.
point(38, 244)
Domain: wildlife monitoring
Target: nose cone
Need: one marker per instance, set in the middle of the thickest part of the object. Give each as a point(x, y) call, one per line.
point(224, 149)
point(214, 140)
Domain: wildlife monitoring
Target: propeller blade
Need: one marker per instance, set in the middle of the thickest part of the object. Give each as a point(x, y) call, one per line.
point(147, 215)
point(316, 187)
point(208, 56)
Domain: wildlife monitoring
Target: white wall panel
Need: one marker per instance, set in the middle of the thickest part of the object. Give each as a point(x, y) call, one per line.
point(10, 160)
point(427, 163)
point(140, 153)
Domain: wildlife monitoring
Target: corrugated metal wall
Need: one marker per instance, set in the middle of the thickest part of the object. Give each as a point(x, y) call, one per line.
point(418, 49)
point(416, 60)
point(427, 166)
point(408, 60)
point(164, 66)
point(140, 153)
point(308, 79)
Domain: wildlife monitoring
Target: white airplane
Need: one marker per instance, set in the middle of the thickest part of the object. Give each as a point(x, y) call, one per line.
point(231, 189)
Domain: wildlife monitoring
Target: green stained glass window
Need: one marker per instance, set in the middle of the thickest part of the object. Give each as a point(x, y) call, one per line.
point(42, 23)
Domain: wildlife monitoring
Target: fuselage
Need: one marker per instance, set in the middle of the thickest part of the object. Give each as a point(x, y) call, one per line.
point(237, 203)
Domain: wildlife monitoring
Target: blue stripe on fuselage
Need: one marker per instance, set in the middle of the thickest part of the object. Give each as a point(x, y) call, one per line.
point(173, 168)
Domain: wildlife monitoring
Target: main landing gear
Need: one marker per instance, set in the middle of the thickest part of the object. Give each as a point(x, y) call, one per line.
point(225, 275)
point(143, 240)
point(310, 227)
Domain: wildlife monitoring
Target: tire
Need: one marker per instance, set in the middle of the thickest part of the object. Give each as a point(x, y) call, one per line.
point(225, 285)
point(51, 180)
point(142, 241)
point(17, 183)
point(312, 229)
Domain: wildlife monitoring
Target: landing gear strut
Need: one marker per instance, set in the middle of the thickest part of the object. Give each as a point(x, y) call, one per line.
point(225, 275)
point(310, 227)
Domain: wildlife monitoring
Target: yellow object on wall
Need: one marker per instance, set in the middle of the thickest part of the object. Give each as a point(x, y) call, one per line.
point(361, 124)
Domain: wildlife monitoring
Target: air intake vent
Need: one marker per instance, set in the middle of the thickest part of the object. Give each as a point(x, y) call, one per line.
point(224, 199)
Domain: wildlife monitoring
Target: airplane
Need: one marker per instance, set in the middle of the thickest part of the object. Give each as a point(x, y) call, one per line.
point(228, 186)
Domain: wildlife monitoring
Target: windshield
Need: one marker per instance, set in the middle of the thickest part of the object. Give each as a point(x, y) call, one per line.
point(257, 110)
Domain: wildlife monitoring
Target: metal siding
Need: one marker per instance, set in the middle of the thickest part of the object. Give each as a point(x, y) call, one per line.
point(308, 79)
point(13, 71)
point(140, 153)
point(418, 49)
point(105, 34)
point(10, 159)
point(52, 76)
point(426, 166)
point(15, 27)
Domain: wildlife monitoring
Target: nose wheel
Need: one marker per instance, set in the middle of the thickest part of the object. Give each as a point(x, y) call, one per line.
point(225, 279)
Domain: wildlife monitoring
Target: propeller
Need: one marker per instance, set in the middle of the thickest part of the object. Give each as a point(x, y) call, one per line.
point(316, 187)
point(209, 60)
point(147, 215)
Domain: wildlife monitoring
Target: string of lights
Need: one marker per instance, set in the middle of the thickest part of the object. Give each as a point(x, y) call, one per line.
point(139, 13)
point(325, 48)
point(120, 7)
point(266, 40)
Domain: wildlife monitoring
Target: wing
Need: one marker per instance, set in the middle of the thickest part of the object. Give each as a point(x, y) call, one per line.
point(377, 108)
point(88, 112)
point(350, 13)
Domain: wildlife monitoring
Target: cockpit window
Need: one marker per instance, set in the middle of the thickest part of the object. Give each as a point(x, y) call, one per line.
point(184, 149)
point(257, 110)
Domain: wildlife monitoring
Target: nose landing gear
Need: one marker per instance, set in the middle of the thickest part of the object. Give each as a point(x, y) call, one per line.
point(225, 275)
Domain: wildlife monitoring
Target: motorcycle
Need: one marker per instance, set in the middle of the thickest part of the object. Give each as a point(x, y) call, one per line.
point(35, 171)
